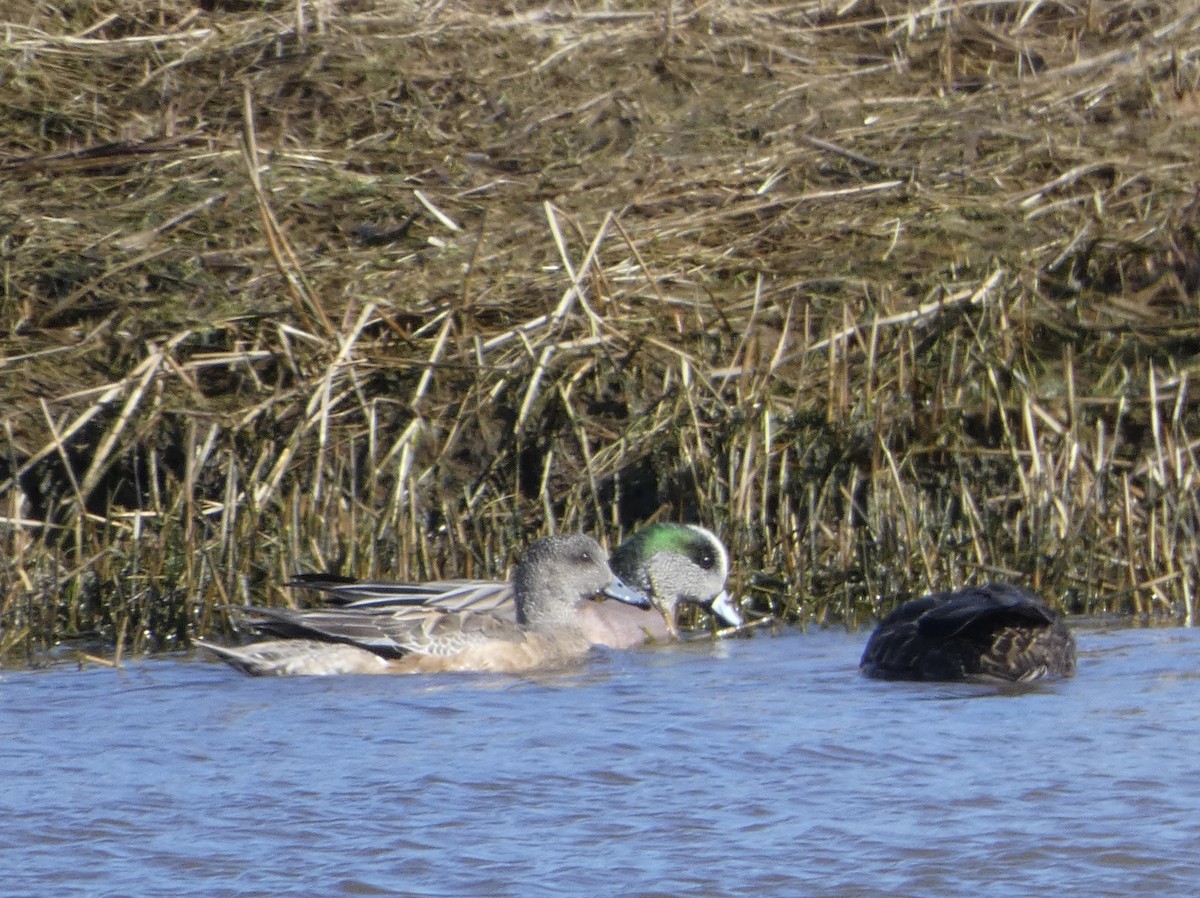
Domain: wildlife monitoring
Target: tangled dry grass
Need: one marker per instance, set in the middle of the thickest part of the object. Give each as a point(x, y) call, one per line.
point(895, 295)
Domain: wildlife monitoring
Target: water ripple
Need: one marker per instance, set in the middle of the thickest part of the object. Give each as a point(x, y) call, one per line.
point(762, 767)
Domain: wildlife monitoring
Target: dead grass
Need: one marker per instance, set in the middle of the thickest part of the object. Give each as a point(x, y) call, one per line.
point(896, 296)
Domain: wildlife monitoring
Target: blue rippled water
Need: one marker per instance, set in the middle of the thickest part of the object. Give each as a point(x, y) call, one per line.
point(763, 766)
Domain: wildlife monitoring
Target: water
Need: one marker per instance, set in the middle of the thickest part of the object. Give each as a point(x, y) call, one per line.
point(756, 767)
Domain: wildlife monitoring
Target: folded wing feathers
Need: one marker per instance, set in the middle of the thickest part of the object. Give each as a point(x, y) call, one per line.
point(446, 595)
point(391, 633)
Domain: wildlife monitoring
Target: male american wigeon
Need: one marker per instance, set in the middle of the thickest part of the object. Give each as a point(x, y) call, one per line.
point(550, 585)
point(673, 564)
point(992, 632)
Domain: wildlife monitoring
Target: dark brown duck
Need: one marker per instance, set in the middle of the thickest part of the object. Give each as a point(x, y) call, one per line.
point(991, 632)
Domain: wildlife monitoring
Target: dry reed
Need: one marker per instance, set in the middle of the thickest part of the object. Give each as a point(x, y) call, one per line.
point(895, 296)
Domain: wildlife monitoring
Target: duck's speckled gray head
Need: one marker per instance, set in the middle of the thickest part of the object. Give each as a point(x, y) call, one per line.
point(675, 563)
point(558, 572)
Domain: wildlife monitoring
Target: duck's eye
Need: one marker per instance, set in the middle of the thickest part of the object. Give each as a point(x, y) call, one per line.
point(585, 557)
point(705, 558)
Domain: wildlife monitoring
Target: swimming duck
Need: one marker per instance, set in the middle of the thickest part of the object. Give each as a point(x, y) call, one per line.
point(991, 632)
point(550, 586)
point(672, 564)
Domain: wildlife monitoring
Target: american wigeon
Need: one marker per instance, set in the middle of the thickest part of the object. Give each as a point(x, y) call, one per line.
point(992, 632)
point(551, 583)
point(673, 564)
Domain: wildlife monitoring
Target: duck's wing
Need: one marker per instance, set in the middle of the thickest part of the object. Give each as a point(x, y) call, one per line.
point(389, 633)
point(987, 608)
point(490, 596)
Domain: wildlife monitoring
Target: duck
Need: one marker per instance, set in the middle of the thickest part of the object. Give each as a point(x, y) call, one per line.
point(672, 564)
point(551, 584)
point(993, 632)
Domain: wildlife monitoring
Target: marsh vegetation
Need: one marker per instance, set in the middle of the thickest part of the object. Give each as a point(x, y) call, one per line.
point(895, 296)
